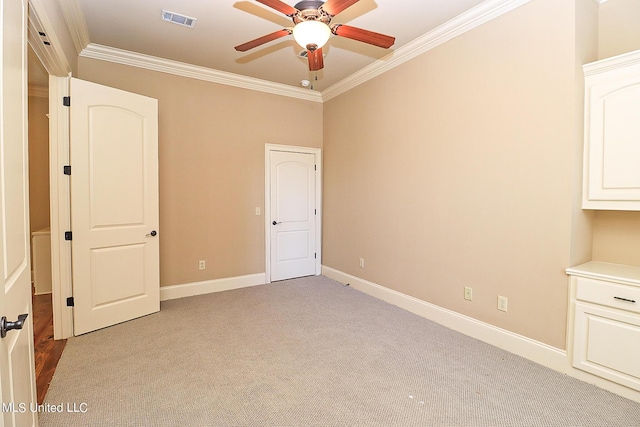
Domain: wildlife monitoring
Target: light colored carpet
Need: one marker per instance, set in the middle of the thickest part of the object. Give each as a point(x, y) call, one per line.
point(308, 352)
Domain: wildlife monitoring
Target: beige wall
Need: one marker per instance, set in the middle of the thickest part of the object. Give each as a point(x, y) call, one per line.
point(616, 235)
point(586, 50)
point(38, 163)
point(458, 169)
point(619, 27)
point(211, 159)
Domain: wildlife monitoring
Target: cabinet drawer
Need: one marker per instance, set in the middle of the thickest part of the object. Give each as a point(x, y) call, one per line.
point(614, 295)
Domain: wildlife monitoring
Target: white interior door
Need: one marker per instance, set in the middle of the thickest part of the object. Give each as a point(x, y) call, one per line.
point(293, 214)
point(114, 205)
point(17, 375)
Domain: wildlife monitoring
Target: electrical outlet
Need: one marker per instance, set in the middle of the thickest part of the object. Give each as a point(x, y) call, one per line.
point(502, 303)
point(468, 293)
point(361, 262)
point(201, 265)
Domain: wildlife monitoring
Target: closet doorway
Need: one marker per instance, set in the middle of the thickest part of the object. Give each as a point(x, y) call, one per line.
point(47, 351)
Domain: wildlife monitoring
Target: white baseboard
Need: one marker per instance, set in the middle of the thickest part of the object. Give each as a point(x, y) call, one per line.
point(536, 351)
point(541, 353)
point(42, 293)
point(209, 286)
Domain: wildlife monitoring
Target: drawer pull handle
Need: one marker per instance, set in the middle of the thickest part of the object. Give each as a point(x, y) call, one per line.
point(625, 299)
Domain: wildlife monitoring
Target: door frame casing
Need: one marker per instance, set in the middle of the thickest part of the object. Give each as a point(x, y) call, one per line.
point(58, 65)
point(317, 152)
point(60, 195)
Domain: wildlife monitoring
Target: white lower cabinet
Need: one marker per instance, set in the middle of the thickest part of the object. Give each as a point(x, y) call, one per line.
point(607, 344)
point(604, 323)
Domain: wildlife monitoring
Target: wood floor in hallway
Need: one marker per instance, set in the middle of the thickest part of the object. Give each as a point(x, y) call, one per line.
point(47, 350)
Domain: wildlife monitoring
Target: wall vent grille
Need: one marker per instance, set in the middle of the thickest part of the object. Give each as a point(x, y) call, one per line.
point(176, 18)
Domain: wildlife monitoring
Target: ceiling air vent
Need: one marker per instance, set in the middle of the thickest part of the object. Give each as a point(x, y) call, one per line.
point(176, 18)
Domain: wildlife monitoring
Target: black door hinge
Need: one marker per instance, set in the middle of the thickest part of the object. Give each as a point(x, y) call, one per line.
point(315, 255)
point(70, 302)
point(68, 235)
point(315, 212)
point(66, 101)
point(67, 170)
point(315, 167)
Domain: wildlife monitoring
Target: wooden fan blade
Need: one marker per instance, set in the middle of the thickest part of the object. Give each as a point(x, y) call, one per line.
point(316, 61)
point(334, 7)
point(364, 36)
point(279, 6)
point(262, 40)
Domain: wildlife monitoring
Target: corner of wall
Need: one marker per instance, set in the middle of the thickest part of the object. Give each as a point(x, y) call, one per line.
point(586, 50)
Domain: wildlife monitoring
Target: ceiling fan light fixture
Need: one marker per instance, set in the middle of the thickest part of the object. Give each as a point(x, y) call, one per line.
point(311, 33)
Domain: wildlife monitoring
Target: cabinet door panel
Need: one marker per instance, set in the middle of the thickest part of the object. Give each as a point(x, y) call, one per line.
point(607, 344)
point(621, 134)
point(612, 134)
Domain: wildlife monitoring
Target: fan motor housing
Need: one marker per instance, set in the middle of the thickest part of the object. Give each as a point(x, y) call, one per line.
point(308, 4)
point(309, 10)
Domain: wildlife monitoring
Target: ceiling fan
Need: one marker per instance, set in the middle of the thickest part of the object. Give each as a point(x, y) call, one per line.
point(312, 29)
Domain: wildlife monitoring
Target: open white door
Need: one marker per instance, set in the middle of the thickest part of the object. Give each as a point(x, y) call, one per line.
point(17, 375)
point(114, 205)
point(292, 212)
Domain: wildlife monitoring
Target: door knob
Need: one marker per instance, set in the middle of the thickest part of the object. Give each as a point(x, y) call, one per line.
point(9, 326)
point(276, 223)
point(152, 234)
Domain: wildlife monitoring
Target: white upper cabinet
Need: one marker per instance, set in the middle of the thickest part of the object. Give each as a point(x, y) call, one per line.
point(612, 134)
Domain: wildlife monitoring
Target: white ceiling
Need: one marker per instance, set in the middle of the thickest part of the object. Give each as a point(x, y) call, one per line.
point(136, 26)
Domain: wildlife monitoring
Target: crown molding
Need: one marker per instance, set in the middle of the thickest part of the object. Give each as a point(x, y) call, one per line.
point(613, 63)
point(76, 24)
point(133, 59)
point(467, 21)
